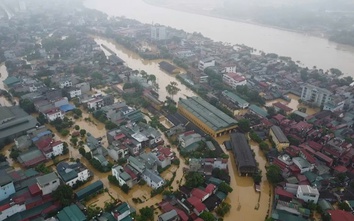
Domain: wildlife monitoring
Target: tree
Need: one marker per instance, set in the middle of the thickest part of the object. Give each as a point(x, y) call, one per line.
point(125, 188)
point(264, 146)
point(172, 88)
point(223, 209)
point(207, 216)
point(27, 105)
point(82, 132)
point(271, 111)
point(151, 78)
point(42, 119)
point(146, 214)
point(274, 174)
point(194, 179)
point(64, 194)
point(77, 127)
point(244, 125)
point(257, 177)
point(43, 169)
point(225, 188)
point(82, 151)
point(2, 157)
point(14, 154)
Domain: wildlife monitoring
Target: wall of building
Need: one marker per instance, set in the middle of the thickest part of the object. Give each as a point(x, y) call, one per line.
point(278, 145)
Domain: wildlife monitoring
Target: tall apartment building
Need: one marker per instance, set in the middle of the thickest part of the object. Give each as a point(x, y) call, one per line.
point(158, 32)
point(315, 95)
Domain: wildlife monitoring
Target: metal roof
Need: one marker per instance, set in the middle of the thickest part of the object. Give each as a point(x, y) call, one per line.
point(235, 98)
point(71, 213)
point(279, 134)
point(207, 113)
point(242, 151)
point(42, 180)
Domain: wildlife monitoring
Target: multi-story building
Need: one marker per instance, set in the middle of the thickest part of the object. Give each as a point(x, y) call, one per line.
point(234, 79)
point(307, 193)
point(70, 173)
point(278, 137)
point(48, 183)
point(7, 187)
point(158, 32)
point(54, 113)
point(315, 95)
point(205, 63)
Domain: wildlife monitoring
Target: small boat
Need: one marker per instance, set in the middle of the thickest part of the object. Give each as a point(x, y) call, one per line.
point(257, 187)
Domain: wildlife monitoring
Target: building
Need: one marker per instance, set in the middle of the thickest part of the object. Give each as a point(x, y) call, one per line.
point(54, 113)
point(303, 164)
point(315, 95)
point(278, 137)
point(207, 117)
point(7, 187)
point(158, 32)
point(49, 147)
point(89, 190)
point(14, 122)
point(241, 103)
point(70, 173)
point(122, 176)
point(136, 164)
point(205, 63)
point(71, 213)
point(244, 159)
point(169, 216)
point(65, 83)
point(307, 193)
point(121, 212)
point(74, 92)
point(84, 87)
point(48, 183)
point(152, 179)
point(188, 138)
point(234, 79)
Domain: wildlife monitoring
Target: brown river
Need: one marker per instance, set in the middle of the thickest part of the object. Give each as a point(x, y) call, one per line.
point(309, 50)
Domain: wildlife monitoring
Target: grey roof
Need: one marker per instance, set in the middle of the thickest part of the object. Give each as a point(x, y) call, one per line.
point(168, 216)
point(42, 180)
point(303, 163)
point(5, 178)
point(21, 121)
point(153, 176)
point(242, 151)
point(279, 134)
point(68, 171)
point(258, 110)
point(136, 162)
point(125, 176)
point(207, 113)
point(235, 98)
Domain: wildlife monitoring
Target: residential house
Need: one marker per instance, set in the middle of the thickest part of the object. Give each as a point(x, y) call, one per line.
point(84, 87)
point(188, 138)
point(136, 164)
point(234, 79)
point(65, 83)
point(122, 176)
point(152, 179)
point(71, 173)
point(164, 156)
point(48, 183)
point(303, 164)
point(278, 137)
point(169, 216)
point(121, 212)
point(54, 113)
point(235, 99)
point(307, 193)
point(73, 92)
point(117, 150)
point(7, 187)
point(49, 147)
point(205, 63)
point(71, 213)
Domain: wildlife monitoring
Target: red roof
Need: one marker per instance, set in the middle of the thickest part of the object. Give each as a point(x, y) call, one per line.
point(281, 192)
point(282, 106)
point(340, 215)
point(198, 193)
point(182, 214)
point(130, 172)
point(165, 151)
point(4, 207)
point(119, 136)
point(210, 188)
point(340, 169)
point(166, 206)
point(279, 117)
point(237, 77)
point(41, 144)
point(195, 202)
point(308, 157)
point(324, 157)
point(34, 189)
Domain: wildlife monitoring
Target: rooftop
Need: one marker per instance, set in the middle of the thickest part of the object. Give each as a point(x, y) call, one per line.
point(242, 150)
point(42, 180)
point(279, 134)
point(207, 113)
point(71, 213)
point(235, 98)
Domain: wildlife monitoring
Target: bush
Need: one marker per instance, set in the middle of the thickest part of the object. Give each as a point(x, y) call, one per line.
point(176, 162)
point(64, 132)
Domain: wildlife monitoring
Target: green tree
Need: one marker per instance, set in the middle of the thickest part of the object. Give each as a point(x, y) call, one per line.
point(64, 194)
point(27, 105)
point(146, 214)
point(42, 168)
point(344, 206)
point(42, 119)
point(77, 127)
point(244, 125)
point(223, 209)
point(82, 132)
point(264, 146)
point(194, 179)
point(82, 151)
point(274, 174)
point(271, 111)
point(225, 188)
point(172, 88)
point(207, 216)
point(125, 188)
point(151, 78)
point(257, 177)
point(14, 154)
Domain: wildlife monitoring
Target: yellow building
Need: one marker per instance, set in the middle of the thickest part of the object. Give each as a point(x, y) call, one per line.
point(279, 138)
point(207, 117)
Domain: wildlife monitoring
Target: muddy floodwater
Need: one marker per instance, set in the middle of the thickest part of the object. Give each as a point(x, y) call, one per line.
point(294, 104)
point(247, 204)
point(135, 62)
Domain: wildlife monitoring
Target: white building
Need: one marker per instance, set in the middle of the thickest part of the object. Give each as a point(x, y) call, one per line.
point(234, 79)
point(315, 95)
point(189, 138)
point(158, 32)
point(54, 113)
point(70, 173)
point(54, 149)
point(230, 69)
point(307, 193)
point(205, 63)
point(122, 176)
point(84, 87)
point(48, 183)
point(74, 92)
point(152, 179)
point(117, 150)
point(65, 83)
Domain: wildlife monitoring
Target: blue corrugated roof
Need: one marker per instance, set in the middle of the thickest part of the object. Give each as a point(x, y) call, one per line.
point(67, 107)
